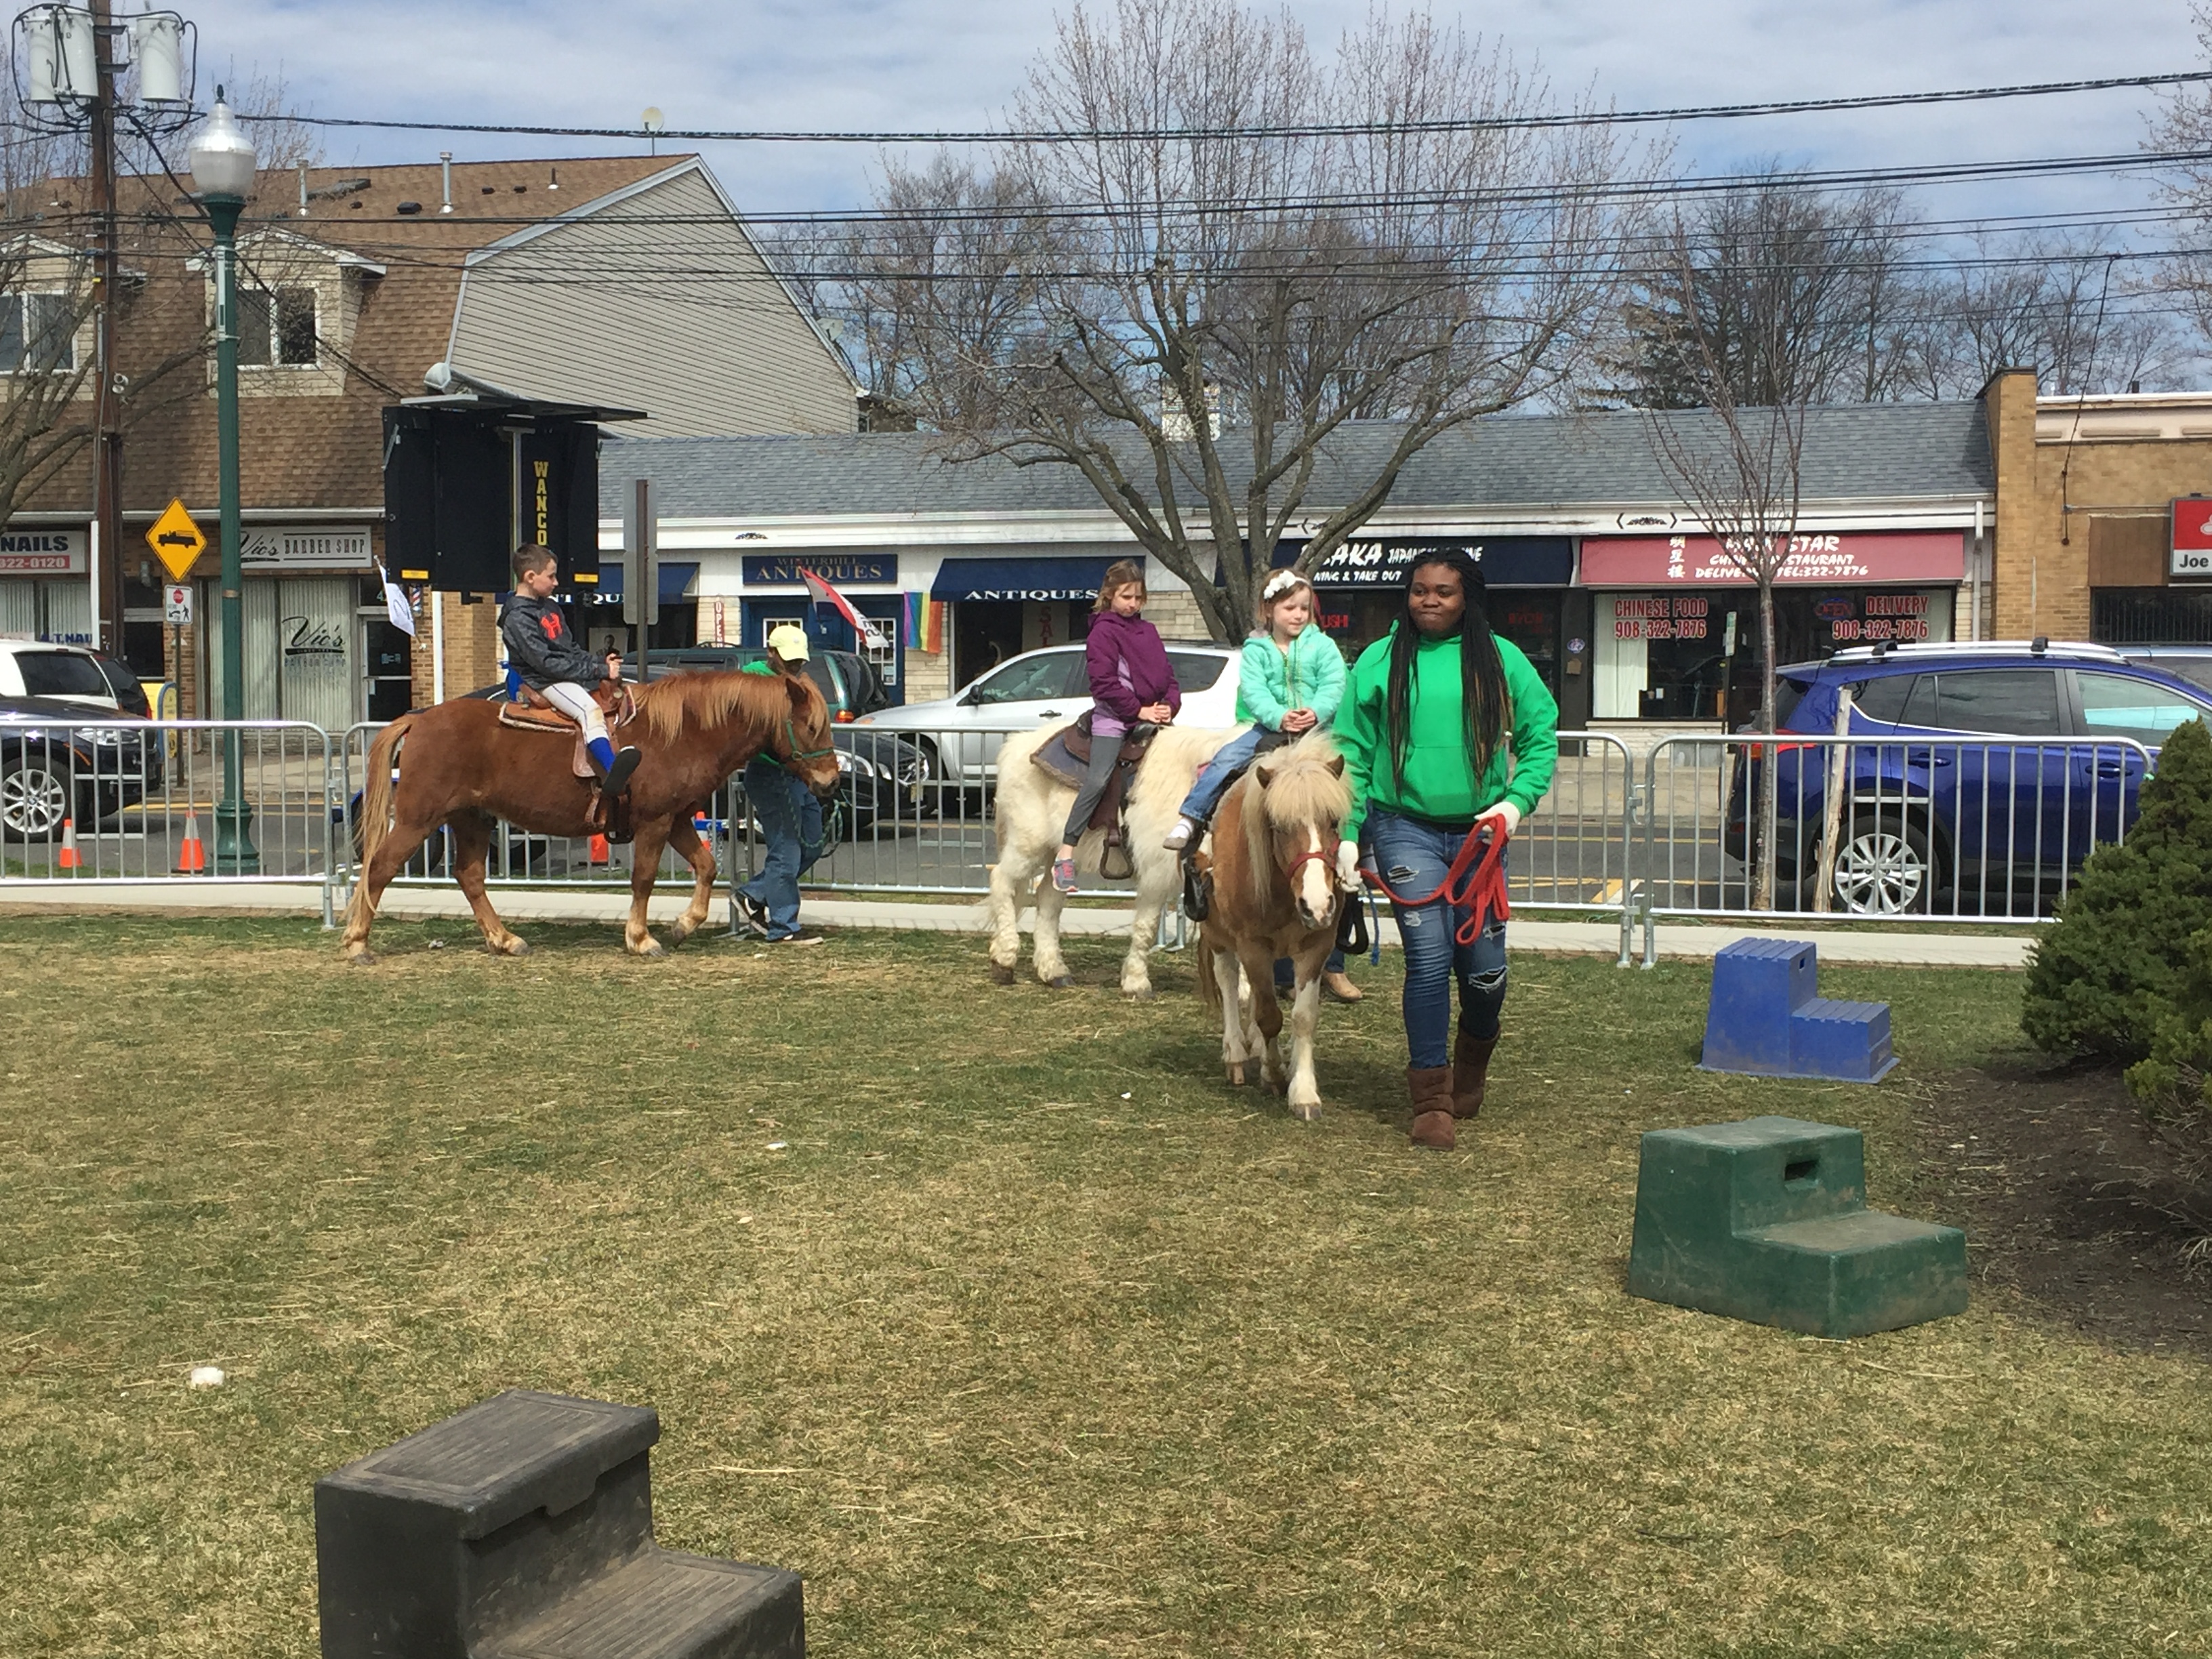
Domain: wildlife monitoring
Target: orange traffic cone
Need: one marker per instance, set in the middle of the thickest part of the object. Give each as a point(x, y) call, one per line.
point(191, 855)
point(67, 859)
point(598, 853)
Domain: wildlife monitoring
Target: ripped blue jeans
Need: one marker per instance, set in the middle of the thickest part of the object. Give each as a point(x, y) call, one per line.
point(1413, 855)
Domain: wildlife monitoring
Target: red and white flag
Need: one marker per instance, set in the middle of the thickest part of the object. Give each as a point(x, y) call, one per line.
point(825, 594)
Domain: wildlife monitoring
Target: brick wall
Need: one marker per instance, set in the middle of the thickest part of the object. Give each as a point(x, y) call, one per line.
point(2065, 506)
point(471, 649)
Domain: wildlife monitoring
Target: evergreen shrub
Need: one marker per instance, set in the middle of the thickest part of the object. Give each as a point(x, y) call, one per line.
point(2127, 955)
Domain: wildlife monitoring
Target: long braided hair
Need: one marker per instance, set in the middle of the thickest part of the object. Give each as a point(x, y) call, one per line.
point(1483, 699)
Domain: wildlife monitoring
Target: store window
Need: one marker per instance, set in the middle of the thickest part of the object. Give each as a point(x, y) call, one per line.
point(58, 610)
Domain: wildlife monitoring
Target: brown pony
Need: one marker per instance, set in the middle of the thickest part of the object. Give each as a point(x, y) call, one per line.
point(457, 766)
point(1274, 894)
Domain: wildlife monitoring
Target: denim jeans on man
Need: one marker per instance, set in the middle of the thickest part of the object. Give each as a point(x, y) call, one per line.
point(790, 817)
point(1413, 856)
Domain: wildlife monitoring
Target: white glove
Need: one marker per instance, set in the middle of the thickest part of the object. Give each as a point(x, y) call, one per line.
point(1347, 866)
point(1509, 816)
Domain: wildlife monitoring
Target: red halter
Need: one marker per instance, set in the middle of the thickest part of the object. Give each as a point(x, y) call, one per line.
point(1475, 883)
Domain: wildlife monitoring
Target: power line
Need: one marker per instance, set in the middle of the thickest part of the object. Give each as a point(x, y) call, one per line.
point(1312, 130)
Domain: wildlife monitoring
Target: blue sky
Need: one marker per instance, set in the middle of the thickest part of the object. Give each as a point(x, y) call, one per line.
point(859, 64)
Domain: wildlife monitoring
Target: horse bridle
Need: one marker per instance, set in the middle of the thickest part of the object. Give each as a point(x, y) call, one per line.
point(791, 742)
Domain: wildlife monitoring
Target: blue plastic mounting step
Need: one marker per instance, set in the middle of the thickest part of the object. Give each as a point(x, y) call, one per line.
point(1767, 1018)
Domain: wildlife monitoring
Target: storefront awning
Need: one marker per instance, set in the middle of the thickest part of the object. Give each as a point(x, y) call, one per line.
point(1815, 558)
point(1384, 562)
point(1019, 579)
point(675, 579)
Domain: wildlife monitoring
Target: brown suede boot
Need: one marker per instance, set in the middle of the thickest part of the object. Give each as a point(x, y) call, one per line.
point(1430, 1088)
point(1470, 1070)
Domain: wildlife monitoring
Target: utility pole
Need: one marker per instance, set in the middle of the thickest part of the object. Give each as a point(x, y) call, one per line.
point(107, 445)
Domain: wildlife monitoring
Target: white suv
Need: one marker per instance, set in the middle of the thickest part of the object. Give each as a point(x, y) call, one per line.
point(64, 673)
point(961, 735)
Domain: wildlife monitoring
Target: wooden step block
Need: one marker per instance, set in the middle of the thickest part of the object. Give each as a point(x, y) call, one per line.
point(665, 1606)
point(1765, 1220)
point(523, 1514)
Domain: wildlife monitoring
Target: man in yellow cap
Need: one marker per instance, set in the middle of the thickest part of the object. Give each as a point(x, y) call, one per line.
point(789, 815)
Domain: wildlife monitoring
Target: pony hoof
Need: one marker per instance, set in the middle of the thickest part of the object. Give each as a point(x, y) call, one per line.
point(650, 949)
point(1001, 975)
point(1061, 983)
point(1235, 1074)
point(1306, 1111)
point(1144, 994)
point(363, 958)
point(516, 947)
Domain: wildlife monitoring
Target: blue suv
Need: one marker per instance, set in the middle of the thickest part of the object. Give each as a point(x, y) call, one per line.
point(1980, 770)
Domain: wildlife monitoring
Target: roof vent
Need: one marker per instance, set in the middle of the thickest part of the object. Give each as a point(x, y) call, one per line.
point(409, 207)
point(445, 174)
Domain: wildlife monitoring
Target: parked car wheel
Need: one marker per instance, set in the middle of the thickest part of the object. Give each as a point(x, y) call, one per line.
point(1884, 867)
point(34, 799)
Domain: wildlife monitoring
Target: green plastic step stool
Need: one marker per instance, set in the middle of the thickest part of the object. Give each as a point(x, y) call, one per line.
point(1766, 1220)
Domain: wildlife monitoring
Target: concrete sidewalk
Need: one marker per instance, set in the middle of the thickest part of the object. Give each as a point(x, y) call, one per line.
point(607, 906)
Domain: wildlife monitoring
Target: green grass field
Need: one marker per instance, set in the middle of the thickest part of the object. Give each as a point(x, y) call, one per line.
point(1002, 1319)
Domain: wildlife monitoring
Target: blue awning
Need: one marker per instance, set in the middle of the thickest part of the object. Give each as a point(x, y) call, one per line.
point(1019, 579)
point(674, 579)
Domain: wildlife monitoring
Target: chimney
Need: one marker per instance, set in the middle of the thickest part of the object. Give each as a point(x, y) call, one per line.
point(446, 165)
point(303, 189)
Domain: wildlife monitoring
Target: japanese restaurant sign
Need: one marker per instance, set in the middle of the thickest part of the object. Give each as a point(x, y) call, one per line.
point(1828, 560)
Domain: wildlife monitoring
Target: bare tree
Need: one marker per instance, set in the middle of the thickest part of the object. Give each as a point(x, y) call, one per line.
point(2064, 307)
point(1787, 294)
point(1738, 464)
point(1194, 290)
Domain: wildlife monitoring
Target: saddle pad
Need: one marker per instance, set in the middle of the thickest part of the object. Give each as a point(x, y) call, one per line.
point(1058, 762)
point(523, 717)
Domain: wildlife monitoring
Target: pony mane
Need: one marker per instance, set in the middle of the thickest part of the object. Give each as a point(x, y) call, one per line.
point(709, 699)
point(1303, 790)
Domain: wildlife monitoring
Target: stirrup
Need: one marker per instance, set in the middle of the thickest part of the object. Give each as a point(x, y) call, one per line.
point(619, 775)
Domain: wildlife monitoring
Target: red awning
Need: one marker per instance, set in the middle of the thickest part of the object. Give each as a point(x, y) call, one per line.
point(1845, 558)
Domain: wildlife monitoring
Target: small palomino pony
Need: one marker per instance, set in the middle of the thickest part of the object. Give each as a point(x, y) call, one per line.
point(457, 765)
point(1032, 809)
point(1275, 895)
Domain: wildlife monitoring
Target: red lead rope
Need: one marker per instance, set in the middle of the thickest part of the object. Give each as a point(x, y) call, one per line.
point(1475, 884)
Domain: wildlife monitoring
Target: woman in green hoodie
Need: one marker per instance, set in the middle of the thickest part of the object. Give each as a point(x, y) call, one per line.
point(1445, 727)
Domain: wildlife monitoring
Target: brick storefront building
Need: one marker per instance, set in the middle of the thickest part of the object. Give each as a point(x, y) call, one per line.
point(2086, 489)
point(624, 281)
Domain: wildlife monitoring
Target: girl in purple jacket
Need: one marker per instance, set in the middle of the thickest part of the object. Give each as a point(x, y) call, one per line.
point(1131, 685)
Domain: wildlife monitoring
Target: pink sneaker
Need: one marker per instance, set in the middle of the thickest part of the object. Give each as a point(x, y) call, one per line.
point(1063, 875)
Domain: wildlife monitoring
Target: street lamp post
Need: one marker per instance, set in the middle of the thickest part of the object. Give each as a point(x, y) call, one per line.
point(221, 160)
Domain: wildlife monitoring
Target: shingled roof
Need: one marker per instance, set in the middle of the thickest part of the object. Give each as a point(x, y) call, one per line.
point(1603, 460)
point(324, 452)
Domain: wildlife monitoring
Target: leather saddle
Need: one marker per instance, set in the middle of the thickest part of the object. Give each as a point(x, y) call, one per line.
point(1066, 757)
point(531, 711)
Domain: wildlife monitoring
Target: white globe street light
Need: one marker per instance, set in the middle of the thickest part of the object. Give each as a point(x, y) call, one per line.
point(221, 160)
point(221, 155)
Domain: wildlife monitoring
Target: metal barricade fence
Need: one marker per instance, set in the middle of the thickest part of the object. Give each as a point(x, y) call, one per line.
point(1981, 829)
point(123, 800)
point(922, 808)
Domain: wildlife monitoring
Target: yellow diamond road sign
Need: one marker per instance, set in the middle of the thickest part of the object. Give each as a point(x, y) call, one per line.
point(176, 540)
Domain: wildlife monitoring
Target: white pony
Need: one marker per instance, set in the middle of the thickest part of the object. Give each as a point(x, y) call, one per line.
point(1033, 808)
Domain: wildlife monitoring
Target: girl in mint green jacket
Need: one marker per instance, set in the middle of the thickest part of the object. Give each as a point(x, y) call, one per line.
point(1289, 680)
point(1446, 729)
